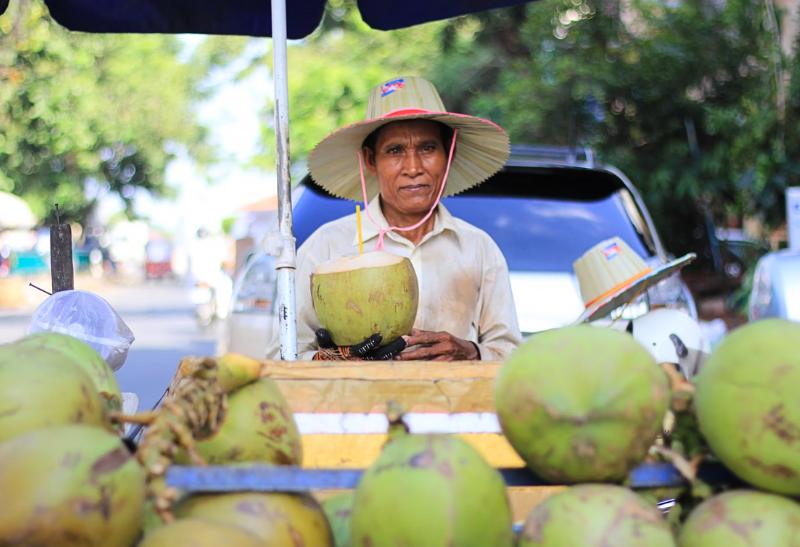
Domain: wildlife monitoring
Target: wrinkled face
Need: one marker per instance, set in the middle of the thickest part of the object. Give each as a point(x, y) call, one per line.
point(409, 162)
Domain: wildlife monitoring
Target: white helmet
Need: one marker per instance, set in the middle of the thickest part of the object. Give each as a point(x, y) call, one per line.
point(672, 336)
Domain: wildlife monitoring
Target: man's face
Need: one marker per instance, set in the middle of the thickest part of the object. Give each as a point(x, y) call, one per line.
point(409, 163)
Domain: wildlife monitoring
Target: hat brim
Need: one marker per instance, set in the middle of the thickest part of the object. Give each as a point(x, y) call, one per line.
point(482, 148)
point(628, 293)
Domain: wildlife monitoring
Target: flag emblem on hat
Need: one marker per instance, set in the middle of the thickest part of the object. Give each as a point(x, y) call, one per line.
point(611, 251)
point(390, 87)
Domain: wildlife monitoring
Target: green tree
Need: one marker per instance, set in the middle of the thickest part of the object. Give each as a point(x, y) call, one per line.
point(332, 71)
point(113, 109)
point(682, 96)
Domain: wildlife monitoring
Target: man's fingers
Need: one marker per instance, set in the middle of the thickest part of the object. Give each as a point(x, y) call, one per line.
point(424, 353)
point(426, 337)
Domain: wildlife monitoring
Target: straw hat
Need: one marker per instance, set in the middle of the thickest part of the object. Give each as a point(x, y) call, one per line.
point(611, 274)
point(481, 146)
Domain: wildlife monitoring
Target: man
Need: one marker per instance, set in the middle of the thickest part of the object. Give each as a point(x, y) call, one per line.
point(411, 152)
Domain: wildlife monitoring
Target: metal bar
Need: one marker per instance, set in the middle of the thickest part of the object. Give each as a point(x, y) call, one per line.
point(285, 264)
point(61, 269)
point(655, 475)
point(260, 478)
point(263, 478)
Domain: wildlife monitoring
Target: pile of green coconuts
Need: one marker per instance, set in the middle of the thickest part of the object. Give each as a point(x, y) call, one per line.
point(68, 479)
point(581, 405)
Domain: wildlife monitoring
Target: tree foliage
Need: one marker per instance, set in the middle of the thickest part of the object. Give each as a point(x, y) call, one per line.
point(74, 107)
point(693, 99)
point(682, 96)
point(332, 71)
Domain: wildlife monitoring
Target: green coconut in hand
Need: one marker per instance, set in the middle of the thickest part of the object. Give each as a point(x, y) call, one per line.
point(41, 387)
point(70, 485)
point(595, 514)
point(431, 491)
point(748, 404)
point(743, 518)
point(581, 403)
point(357, 296)
point(83, 355)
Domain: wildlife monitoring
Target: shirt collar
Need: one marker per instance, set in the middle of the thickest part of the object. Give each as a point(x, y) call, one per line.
point(443, 220)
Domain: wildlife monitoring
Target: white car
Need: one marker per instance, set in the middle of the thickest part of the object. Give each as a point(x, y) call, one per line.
point(776, 286)
point(249, 324)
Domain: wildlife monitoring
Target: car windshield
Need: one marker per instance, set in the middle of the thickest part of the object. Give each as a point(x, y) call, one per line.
point(543, 234)
point(540, 233)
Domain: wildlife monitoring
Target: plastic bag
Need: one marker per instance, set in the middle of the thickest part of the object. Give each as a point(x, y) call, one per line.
point(87, 317)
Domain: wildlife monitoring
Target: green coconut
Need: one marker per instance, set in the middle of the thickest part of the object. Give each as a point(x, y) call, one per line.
point(581, 403)
point(83, 355)
point(337, 509)
point(743, 518)
point(41, 387)
point(151, 520)
point(258, 426)
point(199, 533)
point(278, 520)
point(358, 296)
point(595, 514)
point(70, 485)
point(747, 404)
point(431, 491)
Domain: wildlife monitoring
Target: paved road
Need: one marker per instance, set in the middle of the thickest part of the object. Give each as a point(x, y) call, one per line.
point(161, 317)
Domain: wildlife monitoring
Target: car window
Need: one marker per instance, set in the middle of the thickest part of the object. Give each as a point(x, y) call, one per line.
point(255, 288)
point(541, 234)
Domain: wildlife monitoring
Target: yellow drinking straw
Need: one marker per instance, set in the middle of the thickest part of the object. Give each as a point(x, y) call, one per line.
point(358, 222)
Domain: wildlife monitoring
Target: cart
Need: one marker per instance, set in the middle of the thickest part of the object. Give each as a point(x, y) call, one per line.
point(339, 409)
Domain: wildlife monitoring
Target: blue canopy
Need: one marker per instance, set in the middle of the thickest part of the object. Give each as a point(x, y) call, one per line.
point(245, 17)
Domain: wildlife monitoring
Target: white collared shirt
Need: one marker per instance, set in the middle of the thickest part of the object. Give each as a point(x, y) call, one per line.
point(464, 287)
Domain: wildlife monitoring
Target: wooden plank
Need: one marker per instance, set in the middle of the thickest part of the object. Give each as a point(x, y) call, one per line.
point(321, 451)
point(419, 386)
point(383, 370)
point(350, 395)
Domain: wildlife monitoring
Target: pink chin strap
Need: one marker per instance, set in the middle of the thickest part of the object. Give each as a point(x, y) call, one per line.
point(382, 231)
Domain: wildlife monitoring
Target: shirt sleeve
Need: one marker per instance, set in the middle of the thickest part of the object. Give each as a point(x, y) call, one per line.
point(310, 254)
point(498, 329)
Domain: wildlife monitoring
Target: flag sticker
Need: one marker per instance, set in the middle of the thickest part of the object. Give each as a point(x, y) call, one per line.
point(390, 87)
point(611, 251)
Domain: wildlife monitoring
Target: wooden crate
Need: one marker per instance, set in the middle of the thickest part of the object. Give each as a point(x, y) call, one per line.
point(339, 408)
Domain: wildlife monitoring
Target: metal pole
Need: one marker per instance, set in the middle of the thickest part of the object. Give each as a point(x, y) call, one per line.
point(285, 264)
point(61, 269)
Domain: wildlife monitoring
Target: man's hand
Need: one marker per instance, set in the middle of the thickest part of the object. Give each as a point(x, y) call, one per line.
point(368, 350)
point(427, 345)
